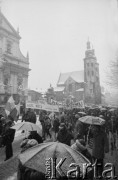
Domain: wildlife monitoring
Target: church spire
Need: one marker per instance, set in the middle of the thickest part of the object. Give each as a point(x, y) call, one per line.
point(88, 44)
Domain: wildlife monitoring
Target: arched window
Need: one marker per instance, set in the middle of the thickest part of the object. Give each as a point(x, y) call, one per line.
point(88, 73)
point(92, 73)
point(9, 47)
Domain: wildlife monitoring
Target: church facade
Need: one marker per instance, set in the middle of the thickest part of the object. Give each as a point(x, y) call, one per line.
point(14, 66)
point(81, 85)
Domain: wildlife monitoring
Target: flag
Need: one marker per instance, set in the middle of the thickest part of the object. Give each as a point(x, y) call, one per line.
point(10, 105)
point(17, 106)
point(81, 104)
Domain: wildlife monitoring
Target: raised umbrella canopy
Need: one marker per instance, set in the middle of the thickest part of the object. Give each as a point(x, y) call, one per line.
point(92, 120)
point(82, 113)
point(27, 126)
point(44, 154)
point(103, 109)
point(111, 110)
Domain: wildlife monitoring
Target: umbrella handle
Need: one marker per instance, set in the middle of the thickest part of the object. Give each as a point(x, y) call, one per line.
point(88, 134)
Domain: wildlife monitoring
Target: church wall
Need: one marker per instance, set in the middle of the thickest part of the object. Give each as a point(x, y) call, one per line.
point(13, 71)
point(13, 82)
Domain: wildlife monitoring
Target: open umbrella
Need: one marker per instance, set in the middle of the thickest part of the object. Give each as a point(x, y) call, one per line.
point(82, 113)
point(27, 126)
point(92, 120)
point(45, 156)
point(103, 109)
point(112, 110)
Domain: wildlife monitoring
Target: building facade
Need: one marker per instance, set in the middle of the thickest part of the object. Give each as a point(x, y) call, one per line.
point(81, 85)
point(92, 90)
point(14, 66)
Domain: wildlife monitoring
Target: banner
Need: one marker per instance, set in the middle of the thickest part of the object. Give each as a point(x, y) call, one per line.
point(46, 107)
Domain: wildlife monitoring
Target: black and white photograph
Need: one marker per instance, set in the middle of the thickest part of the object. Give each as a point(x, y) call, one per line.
point(58, 89)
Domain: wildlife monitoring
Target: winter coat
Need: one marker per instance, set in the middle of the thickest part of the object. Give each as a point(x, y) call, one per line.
point(8, 136)
point(28, 143)
point(36, 136)
point(100, 145)
point(65, 137)
point(82, 149)
point(56, 125)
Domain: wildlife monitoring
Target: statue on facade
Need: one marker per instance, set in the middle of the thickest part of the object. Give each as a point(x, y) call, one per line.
point(19, 82)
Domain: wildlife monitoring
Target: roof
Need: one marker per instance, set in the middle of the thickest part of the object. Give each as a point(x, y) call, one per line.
point(77, 76)
point(57, 89)
point(7, 26)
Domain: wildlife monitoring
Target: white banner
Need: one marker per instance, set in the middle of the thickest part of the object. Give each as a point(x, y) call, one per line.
point(47, 107)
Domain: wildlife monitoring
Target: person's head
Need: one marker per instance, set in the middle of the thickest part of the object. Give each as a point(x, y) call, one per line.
point(78, 136)
point(62, 119)
point(8, 124)
point(82, 142)
point(96, 129)
point(62, 127)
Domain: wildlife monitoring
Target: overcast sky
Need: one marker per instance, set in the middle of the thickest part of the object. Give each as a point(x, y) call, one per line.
point(55, 32)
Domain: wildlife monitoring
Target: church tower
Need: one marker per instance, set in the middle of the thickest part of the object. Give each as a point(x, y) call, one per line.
point(91, 76)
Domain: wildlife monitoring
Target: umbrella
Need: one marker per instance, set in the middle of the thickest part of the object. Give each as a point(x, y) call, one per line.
point(92, 120)
point(103, 109)
point(47, 154)
point(82, 113)
point(112, 110)
point(27, 126)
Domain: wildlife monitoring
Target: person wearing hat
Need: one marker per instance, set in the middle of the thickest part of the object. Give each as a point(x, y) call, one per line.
point(8, 138)
point(80, 146)
point(63, 135)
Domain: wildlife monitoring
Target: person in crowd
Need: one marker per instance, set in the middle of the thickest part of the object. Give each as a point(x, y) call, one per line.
point(32, 139)
point(100, 146)
point(56, 126)
point(64, 136)
point(29, 116)
point(7, 139)
point(80, 146)
point(27, 143)
point(2, 119)
point(47, 126)
point(36, 136)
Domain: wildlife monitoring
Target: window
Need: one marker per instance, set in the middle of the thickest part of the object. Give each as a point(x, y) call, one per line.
point(88, 64)
point(88, 73)
point(92, 73)
point(97, 79)
point(92, 64)
point(9, 46)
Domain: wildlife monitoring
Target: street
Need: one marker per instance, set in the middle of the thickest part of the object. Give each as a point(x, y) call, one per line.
point(8, 168)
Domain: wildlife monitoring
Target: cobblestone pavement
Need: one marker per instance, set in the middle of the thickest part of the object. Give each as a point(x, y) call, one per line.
point(8, 168)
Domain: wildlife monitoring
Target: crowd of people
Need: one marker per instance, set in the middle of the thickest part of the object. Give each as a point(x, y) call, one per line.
point(92, 141)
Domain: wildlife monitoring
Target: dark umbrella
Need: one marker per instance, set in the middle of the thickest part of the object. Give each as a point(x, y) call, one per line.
point(45, 154)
